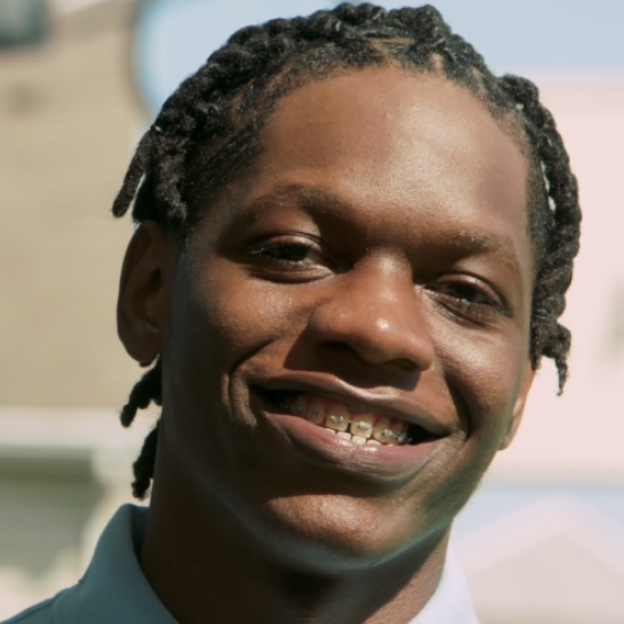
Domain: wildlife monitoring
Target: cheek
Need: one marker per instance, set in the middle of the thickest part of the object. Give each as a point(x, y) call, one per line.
point(224, 315)
point(484, 373)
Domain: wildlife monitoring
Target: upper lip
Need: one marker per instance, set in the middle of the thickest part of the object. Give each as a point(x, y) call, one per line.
point(384, 401)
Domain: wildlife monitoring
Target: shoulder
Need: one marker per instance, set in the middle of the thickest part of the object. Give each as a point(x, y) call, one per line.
point(113, 589)
point(108, 587)
point(38, 614)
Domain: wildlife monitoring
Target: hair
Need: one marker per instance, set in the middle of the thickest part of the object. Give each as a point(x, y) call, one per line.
point(211, 128)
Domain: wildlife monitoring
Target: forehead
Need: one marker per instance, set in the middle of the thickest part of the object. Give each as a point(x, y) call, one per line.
point(386, 137)
point(391, 113)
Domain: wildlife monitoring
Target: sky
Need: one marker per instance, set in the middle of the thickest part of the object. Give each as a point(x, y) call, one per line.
point(531, 37)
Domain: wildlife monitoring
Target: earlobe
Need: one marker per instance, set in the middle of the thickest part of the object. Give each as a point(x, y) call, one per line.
point(518, 410)
point(142, 305)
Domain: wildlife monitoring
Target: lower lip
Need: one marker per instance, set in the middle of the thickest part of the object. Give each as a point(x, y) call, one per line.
point(386, 463)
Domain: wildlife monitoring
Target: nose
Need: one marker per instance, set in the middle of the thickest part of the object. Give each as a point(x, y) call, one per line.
point(376, 312)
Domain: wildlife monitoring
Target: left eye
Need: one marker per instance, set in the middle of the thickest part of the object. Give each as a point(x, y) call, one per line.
point(467, 292)
point(469, 298)
point(291, 258)
point(287, 252)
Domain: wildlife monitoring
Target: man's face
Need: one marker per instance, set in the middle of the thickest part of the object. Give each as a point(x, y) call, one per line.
point(371, 275)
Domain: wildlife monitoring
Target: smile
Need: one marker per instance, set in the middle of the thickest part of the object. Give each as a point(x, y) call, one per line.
point(360, 428)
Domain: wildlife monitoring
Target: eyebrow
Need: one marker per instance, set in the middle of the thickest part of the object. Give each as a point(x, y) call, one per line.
point(481, 241)
point(310, 197)
point(486, 243)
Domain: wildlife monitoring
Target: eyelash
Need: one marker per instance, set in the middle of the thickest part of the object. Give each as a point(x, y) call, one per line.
point(274, 253)
point(481, 304)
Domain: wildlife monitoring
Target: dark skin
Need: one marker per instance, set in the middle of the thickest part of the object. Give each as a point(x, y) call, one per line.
point(375, 257)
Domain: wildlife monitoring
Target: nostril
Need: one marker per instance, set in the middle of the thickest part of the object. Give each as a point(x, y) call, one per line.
point(407, 365)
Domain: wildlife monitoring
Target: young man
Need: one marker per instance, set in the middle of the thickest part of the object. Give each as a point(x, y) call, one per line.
point(353, 246)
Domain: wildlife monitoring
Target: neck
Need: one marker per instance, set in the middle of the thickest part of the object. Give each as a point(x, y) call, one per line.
point(204, 565)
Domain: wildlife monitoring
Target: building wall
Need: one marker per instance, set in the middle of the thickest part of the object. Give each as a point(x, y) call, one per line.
point(66, 125)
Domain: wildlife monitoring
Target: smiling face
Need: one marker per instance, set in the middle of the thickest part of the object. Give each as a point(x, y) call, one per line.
point(371, 275)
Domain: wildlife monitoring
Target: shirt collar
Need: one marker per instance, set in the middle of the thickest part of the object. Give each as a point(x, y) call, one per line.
point(451, 602)
point(115, 590)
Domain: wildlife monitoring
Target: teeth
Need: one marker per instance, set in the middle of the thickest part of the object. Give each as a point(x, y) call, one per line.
point(359, 429)
point(363, 425)
point(337, 418)
point(316, 411)
point(300, 406)
point(399, 431)
point(391, 432)
point(382, 430)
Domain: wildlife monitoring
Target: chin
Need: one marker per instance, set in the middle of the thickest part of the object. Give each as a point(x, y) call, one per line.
point(331, 534)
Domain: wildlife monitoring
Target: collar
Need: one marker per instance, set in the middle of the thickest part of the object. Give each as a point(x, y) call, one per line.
point(451, 602)
point(115, 590)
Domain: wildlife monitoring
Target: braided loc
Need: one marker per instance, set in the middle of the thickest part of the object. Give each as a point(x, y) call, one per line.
point(210, 129)
point(548, 337)
point(147, 390)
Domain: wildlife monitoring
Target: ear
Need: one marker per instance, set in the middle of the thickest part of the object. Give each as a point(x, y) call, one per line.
point(518, 410)
point(144, 286)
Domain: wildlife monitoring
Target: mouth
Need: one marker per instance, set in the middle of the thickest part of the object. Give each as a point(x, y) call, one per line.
point(356, 426)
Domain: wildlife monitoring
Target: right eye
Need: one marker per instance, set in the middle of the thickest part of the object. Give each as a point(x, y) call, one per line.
point(288, 253)
point(292, 257)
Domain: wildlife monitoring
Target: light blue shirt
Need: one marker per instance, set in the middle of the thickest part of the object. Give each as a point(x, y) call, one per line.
point(114, 590)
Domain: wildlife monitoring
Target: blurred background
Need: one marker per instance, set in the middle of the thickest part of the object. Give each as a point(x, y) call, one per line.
point(543, 539)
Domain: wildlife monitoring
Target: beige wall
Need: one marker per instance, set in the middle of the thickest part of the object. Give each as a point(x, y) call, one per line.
point(67, 122)
point(66, 125)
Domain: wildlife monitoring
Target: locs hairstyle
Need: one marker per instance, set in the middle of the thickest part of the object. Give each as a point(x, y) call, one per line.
point(212, 127)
